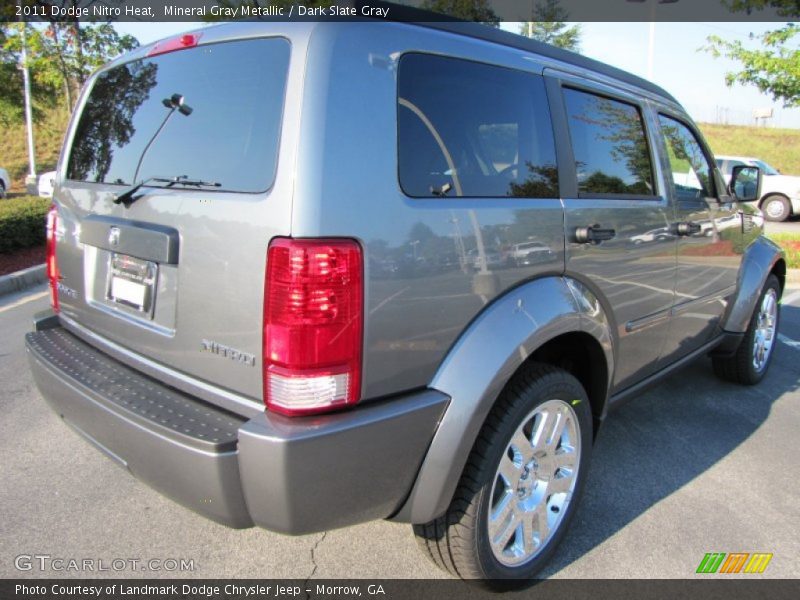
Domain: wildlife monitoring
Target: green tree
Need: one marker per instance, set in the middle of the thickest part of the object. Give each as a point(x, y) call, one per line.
point(468, 10)
point(784, 8)
point(11, 87)
point(774, 68)
point(549, 26)
point(60, 58)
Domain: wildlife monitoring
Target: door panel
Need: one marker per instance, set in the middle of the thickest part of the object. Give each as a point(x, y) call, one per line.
point(709, 241)
point(615, 188)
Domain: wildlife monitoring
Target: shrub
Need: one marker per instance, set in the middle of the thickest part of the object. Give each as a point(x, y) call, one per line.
point(22, 222)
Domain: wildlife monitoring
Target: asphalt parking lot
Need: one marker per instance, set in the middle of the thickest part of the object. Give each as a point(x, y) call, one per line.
point(790, 225)
point(693, 466)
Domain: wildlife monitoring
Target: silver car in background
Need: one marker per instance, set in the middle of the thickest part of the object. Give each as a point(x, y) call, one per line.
point(5, 183)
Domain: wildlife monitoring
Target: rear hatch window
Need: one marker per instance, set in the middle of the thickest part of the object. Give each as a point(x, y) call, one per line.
point(212, 112)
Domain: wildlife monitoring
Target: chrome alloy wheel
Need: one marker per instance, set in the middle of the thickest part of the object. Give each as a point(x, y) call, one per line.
point(534, 483)
point(764, 338)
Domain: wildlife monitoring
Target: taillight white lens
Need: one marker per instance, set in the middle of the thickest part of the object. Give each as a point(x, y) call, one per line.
point(50, 256)
point(313, 314)
point(309, 391)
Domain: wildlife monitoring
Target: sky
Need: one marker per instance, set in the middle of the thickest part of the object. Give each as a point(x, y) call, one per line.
point(694, 77)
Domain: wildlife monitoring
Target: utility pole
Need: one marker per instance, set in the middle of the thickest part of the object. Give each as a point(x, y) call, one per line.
point(30, 180)
point(651, 44)
point(651, 41)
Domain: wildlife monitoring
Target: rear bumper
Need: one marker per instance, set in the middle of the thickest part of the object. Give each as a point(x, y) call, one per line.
point(291, 475)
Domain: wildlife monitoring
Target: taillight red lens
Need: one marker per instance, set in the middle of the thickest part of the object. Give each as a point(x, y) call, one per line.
point(313, 324)
point(187, 40)
point(50, 256)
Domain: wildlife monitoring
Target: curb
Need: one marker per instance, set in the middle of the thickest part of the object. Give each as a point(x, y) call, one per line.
point(21, 280)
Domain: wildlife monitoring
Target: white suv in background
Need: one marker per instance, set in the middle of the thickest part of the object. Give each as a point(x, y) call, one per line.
point(780, 194)
point(46, 183)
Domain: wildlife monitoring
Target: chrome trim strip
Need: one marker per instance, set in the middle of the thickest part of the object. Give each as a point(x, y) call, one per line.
point(723, 296)
point(649, 321)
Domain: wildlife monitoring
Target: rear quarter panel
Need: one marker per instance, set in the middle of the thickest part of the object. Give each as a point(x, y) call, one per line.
point(418, 300)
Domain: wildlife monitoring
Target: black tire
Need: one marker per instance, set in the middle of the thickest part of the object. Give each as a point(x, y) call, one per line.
point(458, 541)
point(740, 367)
point(776, 208)
point(2, 190)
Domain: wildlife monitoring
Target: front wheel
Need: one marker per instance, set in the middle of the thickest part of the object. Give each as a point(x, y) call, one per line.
point(521, 484)
point(750, 362)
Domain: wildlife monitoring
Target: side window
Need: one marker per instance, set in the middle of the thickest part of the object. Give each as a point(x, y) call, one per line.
point(473, 130)
point(691, 171)
point(610, 146)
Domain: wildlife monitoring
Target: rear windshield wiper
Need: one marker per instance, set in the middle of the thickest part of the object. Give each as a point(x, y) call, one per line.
point(126, 195)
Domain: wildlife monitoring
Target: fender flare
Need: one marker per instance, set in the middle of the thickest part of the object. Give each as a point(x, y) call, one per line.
point(480, 364)
point(759, 260)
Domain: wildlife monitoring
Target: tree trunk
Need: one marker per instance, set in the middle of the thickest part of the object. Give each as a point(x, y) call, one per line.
point(63, 66)
point(77, 39)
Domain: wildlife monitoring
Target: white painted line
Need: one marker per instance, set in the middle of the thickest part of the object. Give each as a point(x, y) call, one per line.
point(789, 341)
point(24, 300)
point(387, 300)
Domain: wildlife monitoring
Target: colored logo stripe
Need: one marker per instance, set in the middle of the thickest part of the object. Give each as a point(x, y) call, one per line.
point(734, 563)
point(758, 562)
point(711, 562)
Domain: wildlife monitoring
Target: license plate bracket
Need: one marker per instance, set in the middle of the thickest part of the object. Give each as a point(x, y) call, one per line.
point(132, 283)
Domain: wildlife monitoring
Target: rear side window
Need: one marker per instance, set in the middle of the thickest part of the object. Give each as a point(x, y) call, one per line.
point(469, 129)
point(610, 146)
point(235, 91)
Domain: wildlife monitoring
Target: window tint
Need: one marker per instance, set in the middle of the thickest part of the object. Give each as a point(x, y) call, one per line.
point(235, 91)
point(610, 147)
point(468, 129)
point(691, 170)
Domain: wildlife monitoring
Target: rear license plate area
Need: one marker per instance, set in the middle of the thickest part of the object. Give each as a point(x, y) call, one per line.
point(132, 283)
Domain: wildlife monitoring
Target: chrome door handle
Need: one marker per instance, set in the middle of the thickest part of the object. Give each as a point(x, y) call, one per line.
point(593, 234)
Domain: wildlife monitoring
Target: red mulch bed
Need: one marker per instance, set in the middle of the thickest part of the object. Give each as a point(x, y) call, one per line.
point(722, 248)
point(21, 259)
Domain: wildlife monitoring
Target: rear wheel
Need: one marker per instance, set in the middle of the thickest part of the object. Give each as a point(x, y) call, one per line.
point(776, 208)
point(521, 484)
point(750, 362)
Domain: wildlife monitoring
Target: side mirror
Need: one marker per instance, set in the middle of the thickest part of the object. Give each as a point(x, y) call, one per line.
point(745, 183)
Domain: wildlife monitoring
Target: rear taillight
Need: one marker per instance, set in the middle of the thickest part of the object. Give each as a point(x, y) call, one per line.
point(313, 324)
point(50, 256)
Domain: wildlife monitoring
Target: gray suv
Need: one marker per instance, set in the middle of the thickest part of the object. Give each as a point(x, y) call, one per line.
point(287, 291)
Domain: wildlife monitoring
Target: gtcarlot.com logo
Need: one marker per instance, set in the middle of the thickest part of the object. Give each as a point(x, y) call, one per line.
point(46, 562)
point(734, 562)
